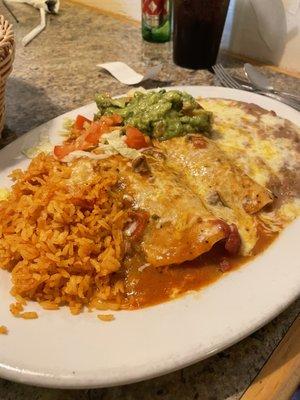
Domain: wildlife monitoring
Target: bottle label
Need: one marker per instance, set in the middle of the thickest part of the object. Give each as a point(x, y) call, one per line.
point(155, 12)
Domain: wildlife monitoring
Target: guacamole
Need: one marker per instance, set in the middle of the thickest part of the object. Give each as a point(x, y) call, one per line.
point(161, 115)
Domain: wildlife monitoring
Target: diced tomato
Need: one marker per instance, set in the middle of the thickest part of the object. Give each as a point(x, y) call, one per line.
point(95, 131)
point(111, 120)
point(135, 139)
point(79, 144)
point(117, 119)
point(79, 122)
point(62, 151)
point(87, 137)
point(103, 125)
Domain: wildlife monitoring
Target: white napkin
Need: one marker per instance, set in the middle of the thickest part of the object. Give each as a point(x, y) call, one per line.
point(127, 75)
point(271, 21)
point(293, 16)
point(293, 6)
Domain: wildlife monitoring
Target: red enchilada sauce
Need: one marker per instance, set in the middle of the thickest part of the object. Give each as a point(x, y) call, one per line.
point(148, 285)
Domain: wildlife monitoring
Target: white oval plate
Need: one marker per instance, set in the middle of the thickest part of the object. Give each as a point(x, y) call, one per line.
point(60, 350)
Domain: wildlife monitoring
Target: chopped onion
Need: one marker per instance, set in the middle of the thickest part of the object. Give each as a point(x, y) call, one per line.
point(131, 228)
point(80, 153)
point(142, 267)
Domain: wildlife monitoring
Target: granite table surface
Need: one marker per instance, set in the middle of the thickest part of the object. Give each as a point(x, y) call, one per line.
point(56, 73)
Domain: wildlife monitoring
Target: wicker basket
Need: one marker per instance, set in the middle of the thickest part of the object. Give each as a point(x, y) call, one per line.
point(7, 52)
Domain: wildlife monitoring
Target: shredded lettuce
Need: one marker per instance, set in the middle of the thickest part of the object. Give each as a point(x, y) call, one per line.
point(68, 123)
point(111, 144)
point(115, 142)
point(44, 146)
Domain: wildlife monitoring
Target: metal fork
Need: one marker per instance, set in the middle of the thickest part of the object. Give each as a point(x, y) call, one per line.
point(227, 80)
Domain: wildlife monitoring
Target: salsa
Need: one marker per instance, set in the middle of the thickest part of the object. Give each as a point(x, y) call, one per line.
point(156, 285)
point(160, 115)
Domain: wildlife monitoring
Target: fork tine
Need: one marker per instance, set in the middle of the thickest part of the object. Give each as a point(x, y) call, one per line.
point(227, 78)
point(220, 76)
point(217, 78)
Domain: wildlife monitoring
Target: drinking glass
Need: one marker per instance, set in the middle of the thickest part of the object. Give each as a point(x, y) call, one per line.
point(198, 28)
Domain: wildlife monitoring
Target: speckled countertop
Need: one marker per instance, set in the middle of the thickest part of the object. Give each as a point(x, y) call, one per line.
point(56, 73)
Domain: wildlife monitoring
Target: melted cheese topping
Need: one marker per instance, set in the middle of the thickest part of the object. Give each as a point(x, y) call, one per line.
point(237, 128)
point(82, 173)
point(252, 141)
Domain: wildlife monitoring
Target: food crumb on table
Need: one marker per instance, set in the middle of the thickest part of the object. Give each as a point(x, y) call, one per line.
point(17, 311)
point(106, 317)
point(3, 330)
point(29, 315)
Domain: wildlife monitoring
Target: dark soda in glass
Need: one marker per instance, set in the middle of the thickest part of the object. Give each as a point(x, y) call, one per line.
point(198, 28)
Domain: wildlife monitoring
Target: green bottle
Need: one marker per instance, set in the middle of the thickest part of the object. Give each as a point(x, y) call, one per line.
point(156, 20)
